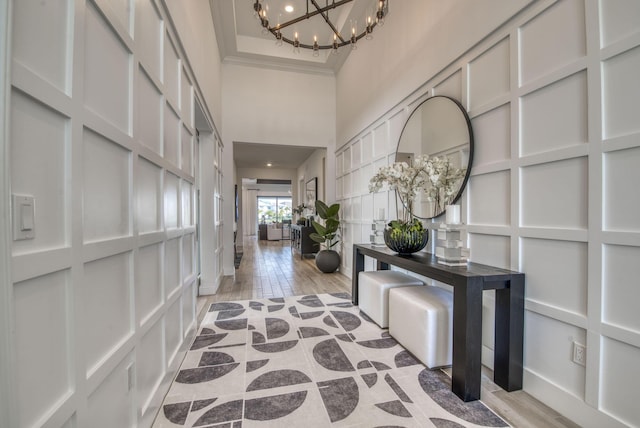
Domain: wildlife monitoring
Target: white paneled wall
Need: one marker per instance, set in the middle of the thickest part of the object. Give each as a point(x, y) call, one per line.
point(552, 96)
point(102, 136)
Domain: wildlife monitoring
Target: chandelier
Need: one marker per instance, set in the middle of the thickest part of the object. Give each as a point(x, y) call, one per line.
point(312, 9)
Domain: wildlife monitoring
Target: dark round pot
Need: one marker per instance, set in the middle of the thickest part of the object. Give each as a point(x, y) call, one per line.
point(328, 261)
point(405, 243)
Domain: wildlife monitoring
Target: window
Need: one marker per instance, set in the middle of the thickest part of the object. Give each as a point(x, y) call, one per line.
point(274, 209)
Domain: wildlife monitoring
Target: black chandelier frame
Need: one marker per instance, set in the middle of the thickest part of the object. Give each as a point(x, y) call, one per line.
point(338, 40)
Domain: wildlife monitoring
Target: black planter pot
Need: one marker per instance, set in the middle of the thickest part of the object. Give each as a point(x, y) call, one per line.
point(328, 261)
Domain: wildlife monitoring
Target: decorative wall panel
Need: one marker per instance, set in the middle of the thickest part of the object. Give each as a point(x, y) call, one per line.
point(554, 116)
point(172, 265)
point(173, 330)
point(48, 60)
point(492, 136)
point(149, 36)
point(186, 99)
point(148, 195)
point(489, 75)
point(487, 202)
point(171, 136)
point(618, 95)
point(42, 319)
point(186, 143)
point(566, 205)
point(380, 140)
point(108, 68)
point(149, 117)
point(171, 71)
point(149, 372)
point(490, 250)
point(187, 256)
point(188, 307)
point(187, 204)
point(451, 86)
point(367, 148)
point(617, 357)
point(106, 194)
point(621, 207)
point(556, 273)
point(620, 286)
point(618, 20)
point(544, 334)
point(552, 39)
point(123, 11)
point(42, 169)
point(112, 403)
point(148, 281)
point(188, 300)
point(106, 318)
point(171, 200)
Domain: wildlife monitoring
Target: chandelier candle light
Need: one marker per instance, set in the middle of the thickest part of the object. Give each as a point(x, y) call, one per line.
point(313, 9)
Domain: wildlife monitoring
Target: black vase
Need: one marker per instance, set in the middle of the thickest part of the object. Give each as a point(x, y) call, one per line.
point(405, 242)
point(327, 261)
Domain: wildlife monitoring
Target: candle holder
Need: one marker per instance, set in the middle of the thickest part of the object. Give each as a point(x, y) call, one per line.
point(450, 250)
point(377, 233)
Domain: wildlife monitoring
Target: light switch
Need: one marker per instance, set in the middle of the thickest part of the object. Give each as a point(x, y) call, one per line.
point(26, 216)
point(23, 217)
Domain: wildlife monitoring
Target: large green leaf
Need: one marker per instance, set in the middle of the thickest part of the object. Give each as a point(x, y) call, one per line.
point(320, 229)
point(321, 208)
point(318, 238)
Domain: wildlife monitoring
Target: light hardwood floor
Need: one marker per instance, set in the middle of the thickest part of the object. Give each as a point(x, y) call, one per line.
point(272, 269)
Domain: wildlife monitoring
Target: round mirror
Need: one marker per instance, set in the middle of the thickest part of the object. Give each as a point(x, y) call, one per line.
point(439, 127)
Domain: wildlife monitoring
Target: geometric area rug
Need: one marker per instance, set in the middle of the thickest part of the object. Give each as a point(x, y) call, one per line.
point(308, 361)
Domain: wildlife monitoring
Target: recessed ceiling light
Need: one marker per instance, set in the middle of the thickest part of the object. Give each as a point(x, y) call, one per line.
point(288, 8)
point(269, 164)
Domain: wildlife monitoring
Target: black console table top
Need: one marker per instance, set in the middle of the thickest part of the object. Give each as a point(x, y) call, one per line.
point(468, 284)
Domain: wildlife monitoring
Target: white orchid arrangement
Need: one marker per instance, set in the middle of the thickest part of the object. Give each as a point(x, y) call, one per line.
point(435, 176)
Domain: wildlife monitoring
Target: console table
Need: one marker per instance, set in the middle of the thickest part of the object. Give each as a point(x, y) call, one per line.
point(468, 284)
point(301, 241)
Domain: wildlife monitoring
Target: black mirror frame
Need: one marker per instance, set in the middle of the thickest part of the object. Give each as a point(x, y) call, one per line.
point(471, 147)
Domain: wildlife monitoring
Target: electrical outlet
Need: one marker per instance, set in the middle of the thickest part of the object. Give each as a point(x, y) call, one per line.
point(579, 354)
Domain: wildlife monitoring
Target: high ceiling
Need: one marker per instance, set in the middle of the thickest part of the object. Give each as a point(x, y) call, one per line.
point(253, 155)
point(241, 39)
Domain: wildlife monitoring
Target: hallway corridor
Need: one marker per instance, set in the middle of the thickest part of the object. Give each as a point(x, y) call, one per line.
point(272, 269)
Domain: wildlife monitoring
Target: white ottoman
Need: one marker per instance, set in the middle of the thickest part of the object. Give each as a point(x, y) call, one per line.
point(373, 292)
point(421, 320)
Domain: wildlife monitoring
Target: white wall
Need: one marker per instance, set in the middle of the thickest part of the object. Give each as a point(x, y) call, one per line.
point(552, 98)
point(194, 27)
point(311, 168)
point(102, 135)
point(407, 51)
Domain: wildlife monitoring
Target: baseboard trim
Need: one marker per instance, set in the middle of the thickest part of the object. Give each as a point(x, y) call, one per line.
point(567, 404)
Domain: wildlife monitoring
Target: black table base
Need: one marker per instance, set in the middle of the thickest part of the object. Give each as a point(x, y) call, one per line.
point(468, 284)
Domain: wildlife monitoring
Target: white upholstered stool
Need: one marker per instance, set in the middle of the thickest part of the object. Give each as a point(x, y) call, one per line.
point(373, 292)
point(421, 320)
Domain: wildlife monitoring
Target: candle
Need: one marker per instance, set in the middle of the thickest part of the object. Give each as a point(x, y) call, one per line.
point(380, 214)
point(453, 214)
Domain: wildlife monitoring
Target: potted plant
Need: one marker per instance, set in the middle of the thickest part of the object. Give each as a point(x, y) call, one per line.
point(435, 176)
point(327, 260)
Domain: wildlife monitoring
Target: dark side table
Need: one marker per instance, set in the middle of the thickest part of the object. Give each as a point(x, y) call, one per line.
point(468, 284)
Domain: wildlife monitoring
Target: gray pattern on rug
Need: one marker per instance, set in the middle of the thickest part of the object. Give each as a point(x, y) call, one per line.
point(308, 361)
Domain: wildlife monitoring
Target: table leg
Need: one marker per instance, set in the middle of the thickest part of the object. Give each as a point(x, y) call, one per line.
point(467, 339)
point(509, 333)
point(358, 266)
